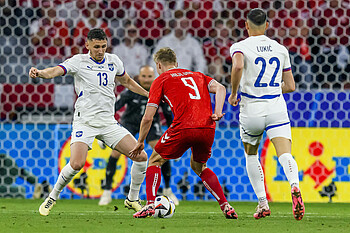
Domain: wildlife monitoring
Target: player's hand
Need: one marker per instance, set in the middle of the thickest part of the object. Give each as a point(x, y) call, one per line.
point(33, 72)
point(232, 99)
point(137, 150)
point(217, 116)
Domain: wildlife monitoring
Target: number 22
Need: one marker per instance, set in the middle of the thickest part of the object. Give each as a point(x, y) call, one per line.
point(262, 71)
point(192, 85)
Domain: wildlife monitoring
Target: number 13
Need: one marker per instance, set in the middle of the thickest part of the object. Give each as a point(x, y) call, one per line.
point(192, 85)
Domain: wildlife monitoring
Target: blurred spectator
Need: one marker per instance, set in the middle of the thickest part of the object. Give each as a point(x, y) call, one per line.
point(49, 36)
point(131, 51)
point(92, 18)
point(217, 52)
point(188, 50)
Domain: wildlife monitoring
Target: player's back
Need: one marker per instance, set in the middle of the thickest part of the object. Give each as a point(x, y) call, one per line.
point(265, 60)
point(187, 94)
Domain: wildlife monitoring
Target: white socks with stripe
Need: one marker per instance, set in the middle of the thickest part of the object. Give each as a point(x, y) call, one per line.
point(66, 175)
point(256, 175)
point(138, 173)
point(290, 168)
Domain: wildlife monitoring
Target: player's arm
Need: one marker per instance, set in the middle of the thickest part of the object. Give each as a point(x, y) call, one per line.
point(131, 84)
point(47, 73)
point(220, 93)
point(236, 75)
point(288, 84)
point(145, 126)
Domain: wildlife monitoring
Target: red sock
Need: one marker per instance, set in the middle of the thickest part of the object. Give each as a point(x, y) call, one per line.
point(153, 178)
point(211, 182)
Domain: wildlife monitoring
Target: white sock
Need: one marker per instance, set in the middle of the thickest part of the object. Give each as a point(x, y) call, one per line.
point(64, 178)
point(138, 173)
point(290, 168)
point(256, 175)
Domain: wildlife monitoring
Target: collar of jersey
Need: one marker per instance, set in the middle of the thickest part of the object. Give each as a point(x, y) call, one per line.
point(104, 59)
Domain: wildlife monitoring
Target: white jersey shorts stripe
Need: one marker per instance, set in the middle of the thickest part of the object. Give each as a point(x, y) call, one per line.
point(275, 125)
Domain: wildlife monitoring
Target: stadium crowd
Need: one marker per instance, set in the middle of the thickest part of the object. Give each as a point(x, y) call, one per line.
point(46, 32)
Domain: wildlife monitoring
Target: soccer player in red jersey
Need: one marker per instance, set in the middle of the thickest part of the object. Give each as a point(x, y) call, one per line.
point(187, 93)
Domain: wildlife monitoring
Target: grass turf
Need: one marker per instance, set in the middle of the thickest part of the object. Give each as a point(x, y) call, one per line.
point(20, 215)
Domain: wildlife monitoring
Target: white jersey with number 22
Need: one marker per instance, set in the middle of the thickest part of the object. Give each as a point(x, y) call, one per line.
point(264, 62)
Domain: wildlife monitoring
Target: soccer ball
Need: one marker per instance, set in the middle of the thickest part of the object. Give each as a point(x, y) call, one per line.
point(164, 207)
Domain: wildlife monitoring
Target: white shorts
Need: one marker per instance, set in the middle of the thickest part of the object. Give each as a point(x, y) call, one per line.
point(275, 124)
point(110, 135)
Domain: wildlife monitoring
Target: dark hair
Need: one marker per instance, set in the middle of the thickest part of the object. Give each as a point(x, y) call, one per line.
point(257, 16)
point(165, 56)
point(97, 34)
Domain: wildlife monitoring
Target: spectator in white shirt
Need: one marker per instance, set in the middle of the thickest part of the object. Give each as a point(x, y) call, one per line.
point(188, 50)
point(131, 52)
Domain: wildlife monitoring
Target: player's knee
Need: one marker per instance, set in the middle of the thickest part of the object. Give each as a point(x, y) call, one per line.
point(141, 157)
point(197, 167)
point(77, 165)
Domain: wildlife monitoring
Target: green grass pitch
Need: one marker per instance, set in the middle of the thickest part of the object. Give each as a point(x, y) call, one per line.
point(20, 215)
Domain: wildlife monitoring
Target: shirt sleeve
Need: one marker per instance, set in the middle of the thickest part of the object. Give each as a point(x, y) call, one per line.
point(71, 65)
point(120, 66)
point(156, 92)
point(235, 48)
point(287, 65)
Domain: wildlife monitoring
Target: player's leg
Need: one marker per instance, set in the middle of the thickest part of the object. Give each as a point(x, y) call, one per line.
point(138, 171)
point(201, 141)
point(279, 132)
point(106, 196)
point(251, 130)
point(166, 173)
point(77, 161)
point(153, 179)
point(170, 147)
point(256, 177)
point(290, 168)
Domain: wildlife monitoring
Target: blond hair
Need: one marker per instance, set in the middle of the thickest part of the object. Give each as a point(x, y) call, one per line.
point(165, 56)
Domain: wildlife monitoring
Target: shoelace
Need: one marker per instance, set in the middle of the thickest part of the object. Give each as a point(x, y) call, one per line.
point(49, 203)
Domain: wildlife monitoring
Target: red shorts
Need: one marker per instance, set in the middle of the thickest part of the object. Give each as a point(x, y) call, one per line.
point(174, 143)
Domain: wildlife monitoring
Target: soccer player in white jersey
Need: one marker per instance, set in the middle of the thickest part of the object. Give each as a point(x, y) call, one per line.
point(95, 75)
point(262, 68)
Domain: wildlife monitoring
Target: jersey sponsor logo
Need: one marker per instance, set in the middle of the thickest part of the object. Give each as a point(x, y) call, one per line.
point(110, 67)
point(322, 163)
point(166, 137)
point(78, 134)
point(93, 173)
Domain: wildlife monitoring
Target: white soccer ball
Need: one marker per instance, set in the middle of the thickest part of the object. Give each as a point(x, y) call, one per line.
point(164, 207)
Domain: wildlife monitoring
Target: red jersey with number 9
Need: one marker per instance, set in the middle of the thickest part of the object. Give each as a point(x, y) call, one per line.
point(187, 93)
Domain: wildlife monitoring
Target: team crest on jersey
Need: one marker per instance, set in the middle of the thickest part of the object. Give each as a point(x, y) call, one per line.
point(88, 181)
point(110, 67)
point(322, 163)
point(78, 134)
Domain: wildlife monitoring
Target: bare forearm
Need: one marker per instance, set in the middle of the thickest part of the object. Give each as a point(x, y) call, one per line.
point(220, 99)
point(135, 87)
point(48, 73)
point(236, 75)
point(144, 129)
